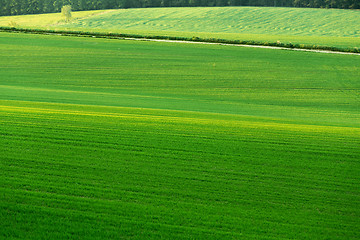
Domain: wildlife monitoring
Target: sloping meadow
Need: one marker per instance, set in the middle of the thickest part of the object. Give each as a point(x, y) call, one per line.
point(311, 27)
point(251, 20)
point(121, 139)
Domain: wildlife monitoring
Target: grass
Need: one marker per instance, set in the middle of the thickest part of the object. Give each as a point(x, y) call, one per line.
point(44, 20)
point(138, 140)
point(325, 27)
point(251, 20)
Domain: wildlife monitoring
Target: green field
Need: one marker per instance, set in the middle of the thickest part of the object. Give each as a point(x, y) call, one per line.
point(138, 140)
point(325, 27)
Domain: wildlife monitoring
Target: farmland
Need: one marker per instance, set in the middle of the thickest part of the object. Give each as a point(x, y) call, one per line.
point(138, 140)
point(325, 27)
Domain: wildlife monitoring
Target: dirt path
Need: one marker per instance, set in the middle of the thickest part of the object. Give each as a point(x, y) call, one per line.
point(243, 45)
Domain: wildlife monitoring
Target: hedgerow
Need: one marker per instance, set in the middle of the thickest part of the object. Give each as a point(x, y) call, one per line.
point(192, 39)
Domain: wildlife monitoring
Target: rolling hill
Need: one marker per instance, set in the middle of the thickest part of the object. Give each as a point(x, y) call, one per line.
point(328, 27)
point(113, 139)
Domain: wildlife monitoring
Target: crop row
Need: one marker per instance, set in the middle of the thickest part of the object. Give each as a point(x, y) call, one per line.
point(147, 176)
point(175, 141)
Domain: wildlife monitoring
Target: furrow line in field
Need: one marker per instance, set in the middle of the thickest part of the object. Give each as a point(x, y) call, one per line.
point(124, 133)
point(88, 190)
point(182, 168)
point(172, 225)
point(135, 147)
point(185, 120)
point(127, 218)
point(99, 184)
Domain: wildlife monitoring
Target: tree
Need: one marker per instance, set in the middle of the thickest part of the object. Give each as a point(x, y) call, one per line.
point(66, 12)
point(33, 6)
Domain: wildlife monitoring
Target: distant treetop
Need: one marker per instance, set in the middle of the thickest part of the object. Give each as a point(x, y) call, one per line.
point(19, 7)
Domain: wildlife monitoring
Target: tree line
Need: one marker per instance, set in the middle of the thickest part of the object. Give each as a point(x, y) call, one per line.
point(19, 7)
